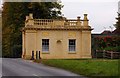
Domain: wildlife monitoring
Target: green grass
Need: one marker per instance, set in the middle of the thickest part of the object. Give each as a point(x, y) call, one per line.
point(87, 67)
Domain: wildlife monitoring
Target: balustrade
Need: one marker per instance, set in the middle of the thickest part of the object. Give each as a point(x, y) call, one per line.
point(52, 23)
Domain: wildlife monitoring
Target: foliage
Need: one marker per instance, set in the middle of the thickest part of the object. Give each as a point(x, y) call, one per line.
point(108, 43)
point(115, 49)
point(117, 25)
point(16, 49)
point(13, 16)
point(87, 67)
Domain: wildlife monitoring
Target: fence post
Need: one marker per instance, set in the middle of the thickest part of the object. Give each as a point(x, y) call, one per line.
point(103, 53)
point(36, 54)
point(111, 55)
point(32, 58)
point(39, 55)
point(96, 53)
point(118, 55)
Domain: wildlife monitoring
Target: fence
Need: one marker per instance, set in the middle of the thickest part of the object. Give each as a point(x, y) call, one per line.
point(107, 54)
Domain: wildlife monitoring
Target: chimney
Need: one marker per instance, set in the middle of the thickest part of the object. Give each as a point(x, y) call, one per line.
point(85, 17)
point(78, 18)
point(85, 21)
point(78, 21)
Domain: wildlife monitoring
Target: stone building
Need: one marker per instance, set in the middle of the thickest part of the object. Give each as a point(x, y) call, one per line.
point(56, 39)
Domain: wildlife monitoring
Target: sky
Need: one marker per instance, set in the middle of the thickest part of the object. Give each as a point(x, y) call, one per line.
point(101, 13)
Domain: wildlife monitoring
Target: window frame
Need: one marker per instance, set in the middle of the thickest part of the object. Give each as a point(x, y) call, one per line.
point(72, 47)
point(45, 45)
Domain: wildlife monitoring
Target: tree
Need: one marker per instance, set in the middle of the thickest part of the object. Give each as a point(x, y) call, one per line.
point(13, 16)
point(117, 25)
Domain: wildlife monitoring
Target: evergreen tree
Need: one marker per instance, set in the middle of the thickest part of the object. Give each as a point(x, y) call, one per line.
point(13, 17)
point(117, 25)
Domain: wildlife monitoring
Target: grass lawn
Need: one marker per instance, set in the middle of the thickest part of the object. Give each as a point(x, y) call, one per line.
point(87, 67)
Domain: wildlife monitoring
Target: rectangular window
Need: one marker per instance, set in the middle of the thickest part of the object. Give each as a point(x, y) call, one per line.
point(45, 45)
point(72, 45)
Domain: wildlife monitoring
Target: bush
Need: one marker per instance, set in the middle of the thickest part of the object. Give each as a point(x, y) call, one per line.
point(16, 51)
point(117, 48)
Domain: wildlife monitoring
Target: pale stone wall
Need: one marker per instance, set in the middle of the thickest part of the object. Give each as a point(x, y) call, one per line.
point(58, 50)
point(86, 44)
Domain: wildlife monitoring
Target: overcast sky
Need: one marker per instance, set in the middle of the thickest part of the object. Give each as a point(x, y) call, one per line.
point(101, 13)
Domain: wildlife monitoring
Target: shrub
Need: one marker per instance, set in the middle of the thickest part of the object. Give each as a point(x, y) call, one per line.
point(16, 51)
point(117, 48)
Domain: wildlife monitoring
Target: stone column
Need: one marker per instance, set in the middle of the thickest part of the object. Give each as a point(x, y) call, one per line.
point(23, 44)
point(86, 44)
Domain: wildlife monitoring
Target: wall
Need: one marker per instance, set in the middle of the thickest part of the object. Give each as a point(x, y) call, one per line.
point(58, 50)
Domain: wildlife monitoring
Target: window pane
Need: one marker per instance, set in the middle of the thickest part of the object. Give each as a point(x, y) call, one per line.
point(45, 44)
point(72, 44)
